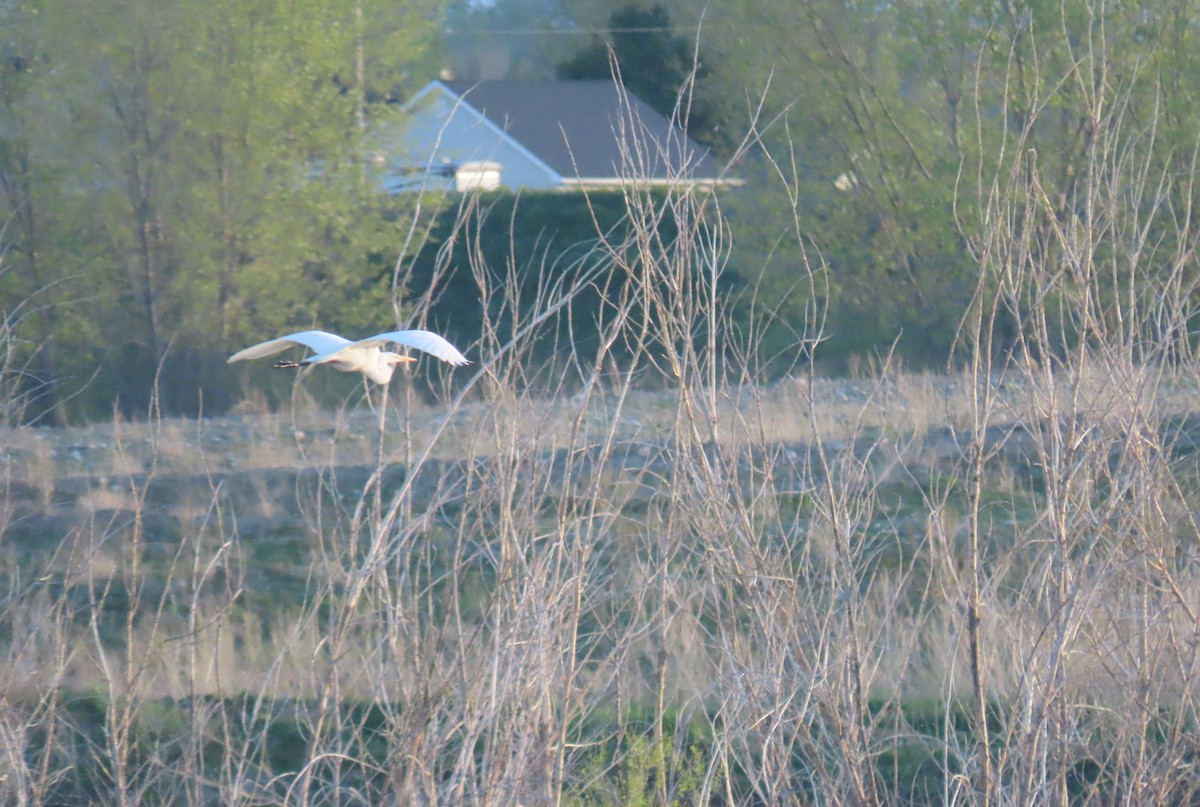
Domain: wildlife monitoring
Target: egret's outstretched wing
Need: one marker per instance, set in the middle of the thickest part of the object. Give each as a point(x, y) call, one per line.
point(317, 341)
point(427, 341)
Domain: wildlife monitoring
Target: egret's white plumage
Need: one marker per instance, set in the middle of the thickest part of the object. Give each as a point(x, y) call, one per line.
point(365, 356)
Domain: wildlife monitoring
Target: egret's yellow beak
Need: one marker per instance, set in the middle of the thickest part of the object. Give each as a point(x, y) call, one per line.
point(398, 359)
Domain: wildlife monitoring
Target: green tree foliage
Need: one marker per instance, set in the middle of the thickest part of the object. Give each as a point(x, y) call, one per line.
point(882, 120)
point(178, 178)
point(654, 63)
point(27, 232)
point(207, 162)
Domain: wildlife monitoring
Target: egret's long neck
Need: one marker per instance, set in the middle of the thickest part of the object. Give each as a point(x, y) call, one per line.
point(381, 370)
point(384, 365)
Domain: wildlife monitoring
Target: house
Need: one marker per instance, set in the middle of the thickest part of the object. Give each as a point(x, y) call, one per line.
point(463, 135)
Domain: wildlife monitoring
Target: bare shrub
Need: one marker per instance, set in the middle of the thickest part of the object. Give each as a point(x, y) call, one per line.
point(642, 575)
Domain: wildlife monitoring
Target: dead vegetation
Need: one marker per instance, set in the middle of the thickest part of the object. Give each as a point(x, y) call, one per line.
point(562, 587)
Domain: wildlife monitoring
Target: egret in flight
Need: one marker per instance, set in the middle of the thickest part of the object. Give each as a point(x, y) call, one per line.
point(365, 356)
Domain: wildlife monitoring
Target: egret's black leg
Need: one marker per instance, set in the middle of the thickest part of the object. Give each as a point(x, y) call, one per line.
point(286, 365)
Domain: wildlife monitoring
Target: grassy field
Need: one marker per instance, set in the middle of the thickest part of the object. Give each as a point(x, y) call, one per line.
point(760, 595)
point(640, 574)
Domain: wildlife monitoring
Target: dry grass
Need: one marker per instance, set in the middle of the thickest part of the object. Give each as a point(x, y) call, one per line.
point(560, 586)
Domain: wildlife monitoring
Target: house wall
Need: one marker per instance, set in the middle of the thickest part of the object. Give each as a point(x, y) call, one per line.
point(438, 130)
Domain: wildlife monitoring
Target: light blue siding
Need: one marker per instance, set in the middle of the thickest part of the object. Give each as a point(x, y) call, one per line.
point(437, 131)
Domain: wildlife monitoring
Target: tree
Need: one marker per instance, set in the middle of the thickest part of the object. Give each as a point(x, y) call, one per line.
point(908, 104)
point(654, 63)
point(209, 157)
point(32, 224)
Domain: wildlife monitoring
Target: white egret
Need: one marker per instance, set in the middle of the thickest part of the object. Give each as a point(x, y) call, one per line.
point(365, 356)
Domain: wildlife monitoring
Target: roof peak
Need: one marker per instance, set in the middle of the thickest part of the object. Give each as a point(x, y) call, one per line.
point(576, 127)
